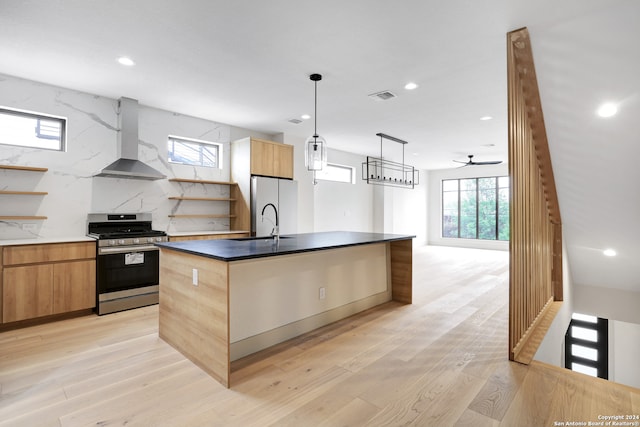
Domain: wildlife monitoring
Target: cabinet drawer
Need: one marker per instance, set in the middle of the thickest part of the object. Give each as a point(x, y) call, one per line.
point(208, 237)
point(33, 254)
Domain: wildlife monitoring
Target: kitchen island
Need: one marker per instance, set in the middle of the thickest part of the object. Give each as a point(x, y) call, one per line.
point(221, 300)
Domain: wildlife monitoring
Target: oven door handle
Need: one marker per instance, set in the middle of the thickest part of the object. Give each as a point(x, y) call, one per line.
point(127, 249)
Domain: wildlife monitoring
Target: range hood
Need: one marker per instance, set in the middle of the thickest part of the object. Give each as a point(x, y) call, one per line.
point(128, 166)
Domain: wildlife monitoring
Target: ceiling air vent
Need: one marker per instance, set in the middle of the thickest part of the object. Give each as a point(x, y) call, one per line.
point(382, 96)
point(295, 121)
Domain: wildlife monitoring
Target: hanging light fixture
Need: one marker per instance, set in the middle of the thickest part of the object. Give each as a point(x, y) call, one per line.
point(380, 171)
point(315, 149)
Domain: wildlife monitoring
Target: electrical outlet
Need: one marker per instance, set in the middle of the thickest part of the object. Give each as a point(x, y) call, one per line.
point(30, 227)
point(195, 276)
point(323, 293)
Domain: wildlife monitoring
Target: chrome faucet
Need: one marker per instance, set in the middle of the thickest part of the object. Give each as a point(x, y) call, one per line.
point(275, 233)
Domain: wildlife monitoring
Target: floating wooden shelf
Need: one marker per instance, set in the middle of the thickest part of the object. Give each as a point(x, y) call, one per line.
point(24, 168)
point(24, 193)
point(24, 218)
point(203, 199)
point(201, 181)
point(201, 216)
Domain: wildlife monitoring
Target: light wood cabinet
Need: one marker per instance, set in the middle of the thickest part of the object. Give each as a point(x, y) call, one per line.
point(71, 291)
point(27, 292)
point(270, 158)
point(41, 280)
point(52, 252)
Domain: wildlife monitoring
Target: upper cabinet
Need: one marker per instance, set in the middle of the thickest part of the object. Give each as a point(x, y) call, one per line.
point(255, 156)
point(271, 159)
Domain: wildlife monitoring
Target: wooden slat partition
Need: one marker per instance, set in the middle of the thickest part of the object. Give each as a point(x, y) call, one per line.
point(536, 233)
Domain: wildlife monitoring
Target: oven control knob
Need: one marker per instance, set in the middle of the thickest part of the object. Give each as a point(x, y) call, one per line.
point(149, 239)
point(158, 239)
point(136, 241)
point(121, 242)
point(111, 243)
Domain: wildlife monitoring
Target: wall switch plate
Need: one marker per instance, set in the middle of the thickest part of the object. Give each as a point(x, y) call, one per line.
point(195, 276)
point(323, 293)
point(30, 227)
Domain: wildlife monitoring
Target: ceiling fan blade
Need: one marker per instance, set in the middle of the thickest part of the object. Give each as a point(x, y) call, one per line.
point(464, 163)
point(494, 162)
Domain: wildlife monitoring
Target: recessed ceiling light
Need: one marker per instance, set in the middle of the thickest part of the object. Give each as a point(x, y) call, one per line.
point(123, 60)
point(305, 117)
point(410, 86)
point(485, 118)
point(607, 109)
point(609, 252)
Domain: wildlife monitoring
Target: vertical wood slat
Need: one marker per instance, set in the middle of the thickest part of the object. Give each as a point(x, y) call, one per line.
point(536, 233)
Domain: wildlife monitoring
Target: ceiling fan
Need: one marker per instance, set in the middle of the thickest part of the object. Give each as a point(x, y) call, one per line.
point(472, 163)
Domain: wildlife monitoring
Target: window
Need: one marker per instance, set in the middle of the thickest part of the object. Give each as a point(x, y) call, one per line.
point(194, 152)
point(338, 173)
point(587, 345)
point(35, 130)
point(476, 208)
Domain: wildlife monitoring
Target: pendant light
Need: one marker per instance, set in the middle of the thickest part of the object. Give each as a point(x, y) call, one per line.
point(315, 149)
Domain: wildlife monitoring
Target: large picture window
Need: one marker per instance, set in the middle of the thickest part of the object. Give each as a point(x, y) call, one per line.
point(34, 130)
point(476, 208)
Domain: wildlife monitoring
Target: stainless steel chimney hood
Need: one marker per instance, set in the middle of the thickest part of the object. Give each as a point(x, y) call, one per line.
point(128, 166)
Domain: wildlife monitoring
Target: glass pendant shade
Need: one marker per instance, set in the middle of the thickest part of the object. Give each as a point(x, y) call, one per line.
point(315, 153)
point(315, 149)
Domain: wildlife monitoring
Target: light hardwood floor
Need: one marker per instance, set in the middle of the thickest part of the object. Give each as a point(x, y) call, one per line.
point(439, 362)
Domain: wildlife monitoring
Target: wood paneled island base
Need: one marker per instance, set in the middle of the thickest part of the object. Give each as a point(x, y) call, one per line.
point(218, 310)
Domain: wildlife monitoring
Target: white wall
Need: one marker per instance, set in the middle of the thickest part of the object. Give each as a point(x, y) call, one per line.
point(305, 183)
point(408, 210)
point(624, 347)
point(612, 304)
point(434, 204)
point(92, 145)
point(342, 206)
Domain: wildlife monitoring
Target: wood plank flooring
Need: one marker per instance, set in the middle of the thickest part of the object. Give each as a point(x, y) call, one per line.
point(439, 362)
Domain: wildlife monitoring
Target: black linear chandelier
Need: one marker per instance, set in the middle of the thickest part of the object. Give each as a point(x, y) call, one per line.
point(377, 170)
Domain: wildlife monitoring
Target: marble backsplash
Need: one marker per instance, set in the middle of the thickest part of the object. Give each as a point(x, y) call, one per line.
point(73, 191)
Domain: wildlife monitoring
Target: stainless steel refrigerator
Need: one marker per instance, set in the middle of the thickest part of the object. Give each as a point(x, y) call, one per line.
point(283, 194)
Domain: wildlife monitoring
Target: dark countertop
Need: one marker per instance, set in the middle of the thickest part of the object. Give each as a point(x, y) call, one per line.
point(249, 248)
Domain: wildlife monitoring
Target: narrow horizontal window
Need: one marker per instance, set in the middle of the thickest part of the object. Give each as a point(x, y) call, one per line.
point(584, 352)
point(194, 152)
point(584, 334)
point(584, 369)
point(584, 317)
point(337, 173)
point(33, 130)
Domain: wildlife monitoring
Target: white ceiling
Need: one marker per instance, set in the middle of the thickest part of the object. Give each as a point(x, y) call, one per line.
point(246, 63)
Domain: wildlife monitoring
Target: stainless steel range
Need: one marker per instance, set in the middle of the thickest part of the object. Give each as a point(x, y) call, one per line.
point(128, 262)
